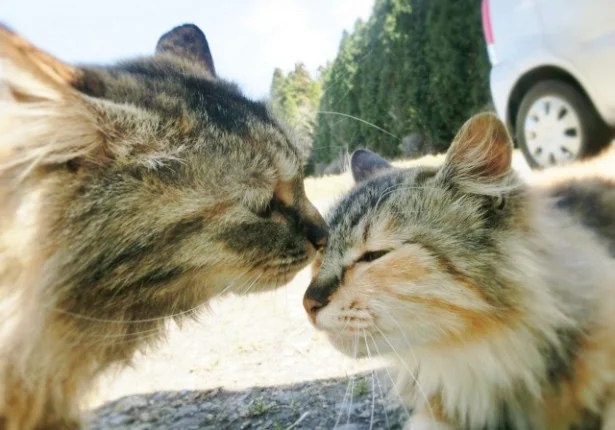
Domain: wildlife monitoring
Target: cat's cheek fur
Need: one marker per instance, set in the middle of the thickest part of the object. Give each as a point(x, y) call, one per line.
point(523, 295)
point(406, 288)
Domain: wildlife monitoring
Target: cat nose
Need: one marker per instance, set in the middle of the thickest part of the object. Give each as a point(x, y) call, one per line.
point(318, 235)
point(317, 295)
point(312, 307)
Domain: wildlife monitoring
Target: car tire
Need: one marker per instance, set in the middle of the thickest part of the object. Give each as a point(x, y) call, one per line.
point(572, 130)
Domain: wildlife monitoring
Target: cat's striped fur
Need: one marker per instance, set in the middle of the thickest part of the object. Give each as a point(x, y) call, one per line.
point(496, 297)
point(130, 193)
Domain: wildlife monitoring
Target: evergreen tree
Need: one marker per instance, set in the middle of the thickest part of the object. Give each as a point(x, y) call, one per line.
point(295, 99)
point(414, 66)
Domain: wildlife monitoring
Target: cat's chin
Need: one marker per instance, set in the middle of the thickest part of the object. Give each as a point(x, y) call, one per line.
point(351, 345)
point(374, 345)
point(253, 282)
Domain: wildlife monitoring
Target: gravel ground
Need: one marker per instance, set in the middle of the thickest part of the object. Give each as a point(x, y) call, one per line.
point(311, 405)
point(251, 362)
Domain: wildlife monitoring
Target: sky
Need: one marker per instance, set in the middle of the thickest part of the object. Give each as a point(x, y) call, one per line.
point(248, 38)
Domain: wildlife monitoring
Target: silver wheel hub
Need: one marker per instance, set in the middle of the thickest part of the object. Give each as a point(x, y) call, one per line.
point(552, 131)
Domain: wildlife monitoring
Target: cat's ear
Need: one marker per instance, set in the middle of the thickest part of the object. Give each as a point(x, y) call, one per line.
point(44, 119)
point(189, 42)
point(480, 154)
point(365, 164)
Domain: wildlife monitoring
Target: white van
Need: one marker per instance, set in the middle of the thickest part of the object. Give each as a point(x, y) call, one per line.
point(553, 75)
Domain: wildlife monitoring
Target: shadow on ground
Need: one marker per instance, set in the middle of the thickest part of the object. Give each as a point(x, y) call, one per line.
point(311, 405)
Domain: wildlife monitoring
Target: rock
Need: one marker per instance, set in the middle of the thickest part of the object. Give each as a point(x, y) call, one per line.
point(306, 406)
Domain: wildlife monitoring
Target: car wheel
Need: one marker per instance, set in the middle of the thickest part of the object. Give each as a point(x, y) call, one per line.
point(557, 124)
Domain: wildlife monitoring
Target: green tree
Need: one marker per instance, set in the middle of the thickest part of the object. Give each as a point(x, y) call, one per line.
point(414, 66)
point(295, 98)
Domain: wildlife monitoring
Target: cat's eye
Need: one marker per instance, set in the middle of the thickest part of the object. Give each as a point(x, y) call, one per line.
point(370, 256)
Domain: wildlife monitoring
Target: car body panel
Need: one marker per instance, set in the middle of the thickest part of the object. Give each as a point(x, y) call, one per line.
point(576, 36)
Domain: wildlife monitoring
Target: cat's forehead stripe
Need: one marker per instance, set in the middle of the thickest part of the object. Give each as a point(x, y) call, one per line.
point(376, 192)
point(354, 206)
point(135, 82)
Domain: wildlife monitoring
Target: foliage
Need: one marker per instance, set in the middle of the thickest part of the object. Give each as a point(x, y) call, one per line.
point(295, 98)
point(414, 66)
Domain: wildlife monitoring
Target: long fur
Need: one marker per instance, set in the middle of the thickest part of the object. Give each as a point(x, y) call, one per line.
point(495, 297)
point(131, 194)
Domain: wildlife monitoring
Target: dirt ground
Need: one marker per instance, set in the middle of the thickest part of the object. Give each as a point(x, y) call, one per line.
point(254, 362)
point(250, 363)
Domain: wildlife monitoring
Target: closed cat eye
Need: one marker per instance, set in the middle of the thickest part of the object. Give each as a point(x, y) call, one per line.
point(372, 255)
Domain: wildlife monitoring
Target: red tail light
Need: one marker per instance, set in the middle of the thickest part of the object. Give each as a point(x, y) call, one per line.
point(486, 15)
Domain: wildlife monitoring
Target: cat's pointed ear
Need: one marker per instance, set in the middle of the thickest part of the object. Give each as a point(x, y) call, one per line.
point(45, 120)
point(188, 42)
point(365, 164)
point(480, 154)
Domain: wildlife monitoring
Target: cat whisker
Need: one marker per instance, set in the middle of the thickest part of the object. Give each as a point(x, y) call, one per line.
point(124, 336)
point(355, 353)
point(369, 355)
point(254, 282)
point(137, 321)
point(232, 284)
point(410, 372)
point(339, 416)
point(134, 337)
point(383, 397)
point(394, 188)
point(403, 333)
point(323, 112)
point(393, 385)
point(113, 321)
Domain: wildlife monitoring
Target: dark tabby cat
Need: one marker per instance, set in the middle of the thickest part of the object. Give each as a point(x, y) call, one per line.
point(130, 193)
point(496, 297)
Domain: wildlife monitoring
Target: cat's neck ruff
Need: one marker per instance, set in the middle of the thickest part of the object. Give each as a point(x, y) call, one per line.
point(470, 381)
point(559, 268)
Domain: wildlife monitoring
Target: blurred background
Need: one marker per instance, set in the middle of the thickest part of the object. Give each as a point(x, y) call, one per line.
point(397, 76)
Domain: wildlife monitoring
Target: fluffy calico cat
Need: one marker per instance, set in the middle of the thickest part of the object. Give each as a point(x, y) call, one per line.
point(495, 297)
point(130, 193)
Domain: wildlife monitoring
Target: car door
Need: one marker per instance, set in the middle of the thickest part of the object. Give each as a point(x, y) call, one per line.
point(583, 33)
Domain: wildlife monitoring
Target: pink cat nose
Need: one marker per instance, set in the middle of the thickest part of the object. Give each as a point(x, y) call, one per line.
point(312, 307)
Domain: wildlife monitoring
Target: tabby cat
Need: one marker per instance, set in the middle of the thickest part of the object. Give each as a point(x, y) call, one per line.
point(495, 296)
point(130, 193)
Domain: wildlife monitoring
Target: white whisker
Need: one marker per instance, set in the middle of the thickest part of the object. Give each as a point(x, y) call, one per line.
point(339, 416)
point(369, 354)
point(254, 282)
point(393, 385)
point(360, 120)
point(410, 372)
point(355, 352)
